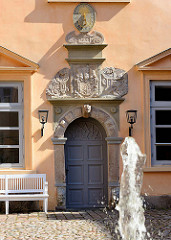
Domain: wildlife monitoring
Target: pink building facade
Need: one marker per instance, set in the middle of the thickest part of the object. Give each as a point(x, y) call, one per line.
point(87, 64)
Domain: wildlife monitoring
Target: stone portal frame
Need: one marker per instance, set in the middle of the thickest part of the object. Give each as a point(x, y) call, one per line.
point(104, 118)
point(113, 150)
point(86, 90)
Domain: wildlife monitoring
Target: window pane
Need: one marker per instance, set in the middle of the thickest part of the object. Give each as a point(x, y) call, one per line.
point(163, 153)
point(9, 137)
point(163, 117)
point(162, 93)
point(8, 119)
point(8, 94)
point(9, 155)
point(163, 135)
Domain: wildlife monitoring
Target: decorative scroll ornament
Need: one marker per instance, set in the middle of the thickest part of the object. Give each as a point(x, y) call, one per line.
point(84, 38)
point(88, 81)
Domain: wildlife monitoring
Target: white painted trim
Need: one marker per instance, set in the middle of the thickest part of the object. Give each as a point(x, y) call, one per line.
point(157, 105)
point(15, 107)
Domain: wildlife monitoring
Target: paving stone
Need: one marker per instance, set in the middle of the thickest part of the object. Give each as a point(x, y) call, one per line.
point(78, 225)
point(34, 228)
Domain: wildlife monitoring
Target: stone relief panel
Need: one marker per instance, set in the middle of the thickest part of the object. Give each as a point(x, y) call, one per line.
point(59, 87)
point(84, 38)
point(114, 82)
point(88, 81)
point(85, 79)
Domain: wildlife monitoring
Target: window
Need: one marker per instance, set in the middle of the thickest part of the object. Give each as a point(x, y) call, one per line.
point(11, 125)
point(160, 107)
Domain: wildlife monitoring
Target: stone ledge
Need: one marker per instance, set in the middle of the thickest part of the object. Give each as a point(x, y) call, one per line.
point(60, 184)
point(59, 141)
point(158, 202)
point(114, 184)
point(157, 169)
point(114, 140)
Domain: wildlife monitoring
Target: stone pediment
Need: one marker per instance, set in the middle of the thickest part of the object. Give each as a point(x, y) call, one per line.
point(10, 61)
point(160, 61)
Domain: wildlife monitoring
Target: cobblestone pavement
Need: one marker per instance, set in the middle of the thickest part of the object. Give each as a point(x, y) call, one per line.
point(158, 224)
point(82, 225)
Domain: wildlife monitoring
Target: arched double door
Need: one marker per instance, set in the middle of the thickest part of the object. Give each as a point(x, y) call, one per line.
point(86, 164)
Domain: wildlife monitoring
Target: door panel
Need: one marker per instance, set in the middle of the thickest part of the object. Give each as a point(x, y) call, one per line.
point(76, 196)
point(86, 164)
point(76, 174)
point(75, 152)
point(95, 152)
point(95, 196)
point(95, 174)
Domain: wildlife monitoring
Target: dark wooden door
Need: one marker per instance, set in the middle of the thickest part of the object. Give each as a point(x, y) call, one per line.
point(86, 164)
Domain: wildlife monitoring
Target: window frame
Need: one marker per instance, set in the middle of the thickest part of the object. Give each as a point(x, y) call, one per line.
point(154, 106)
point(15, 107)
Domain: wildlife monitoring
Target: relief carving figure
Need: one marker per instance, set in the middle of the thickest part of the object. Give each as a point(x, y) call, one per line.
point(114, 82)
point(59, 86)
point(85, 81)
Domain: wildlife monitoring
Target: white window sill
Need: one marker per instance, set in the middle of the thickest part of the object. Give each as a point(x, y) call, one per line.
point(157, 169)
point(89, 1)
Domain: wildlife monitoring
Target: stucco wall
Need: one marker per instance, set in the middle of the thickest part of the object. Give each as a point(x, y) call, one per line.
point(133, 31)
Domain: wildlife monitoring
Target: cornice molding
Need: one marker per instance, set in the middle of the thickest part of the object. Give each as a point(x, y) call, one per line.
point(29, 65)
point(145, 64)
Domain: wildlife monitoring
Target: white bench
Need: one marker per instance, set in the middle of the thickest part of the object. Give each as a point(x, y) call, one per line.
point(31, 187)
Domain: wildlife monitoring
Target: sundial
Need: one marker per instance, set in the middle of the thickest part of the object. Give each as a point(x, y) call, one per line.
point(84, 17)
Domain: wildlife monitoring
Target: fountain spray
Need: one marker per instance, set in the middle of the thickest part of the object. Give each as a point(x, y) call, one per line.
point(131, 222)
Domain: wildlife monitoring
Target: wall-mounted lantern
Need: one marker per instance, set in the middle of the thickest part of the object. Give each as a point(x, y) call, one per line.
point(131, 116)
point(43, 116)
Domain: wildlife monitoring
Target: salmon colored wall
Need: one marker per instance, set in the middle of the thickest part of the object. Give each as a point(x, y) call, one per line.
point(157, 184)
point(36, 30)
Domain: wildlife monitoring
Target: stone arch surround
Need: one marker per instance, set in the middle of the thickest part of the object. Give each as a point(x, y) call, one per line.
point(99, 114)
point(113, 149)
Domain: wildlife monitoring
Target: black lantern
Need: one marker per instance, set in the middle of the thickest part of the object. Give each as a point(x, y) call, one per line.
point(43, 116)
point(131, 116)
